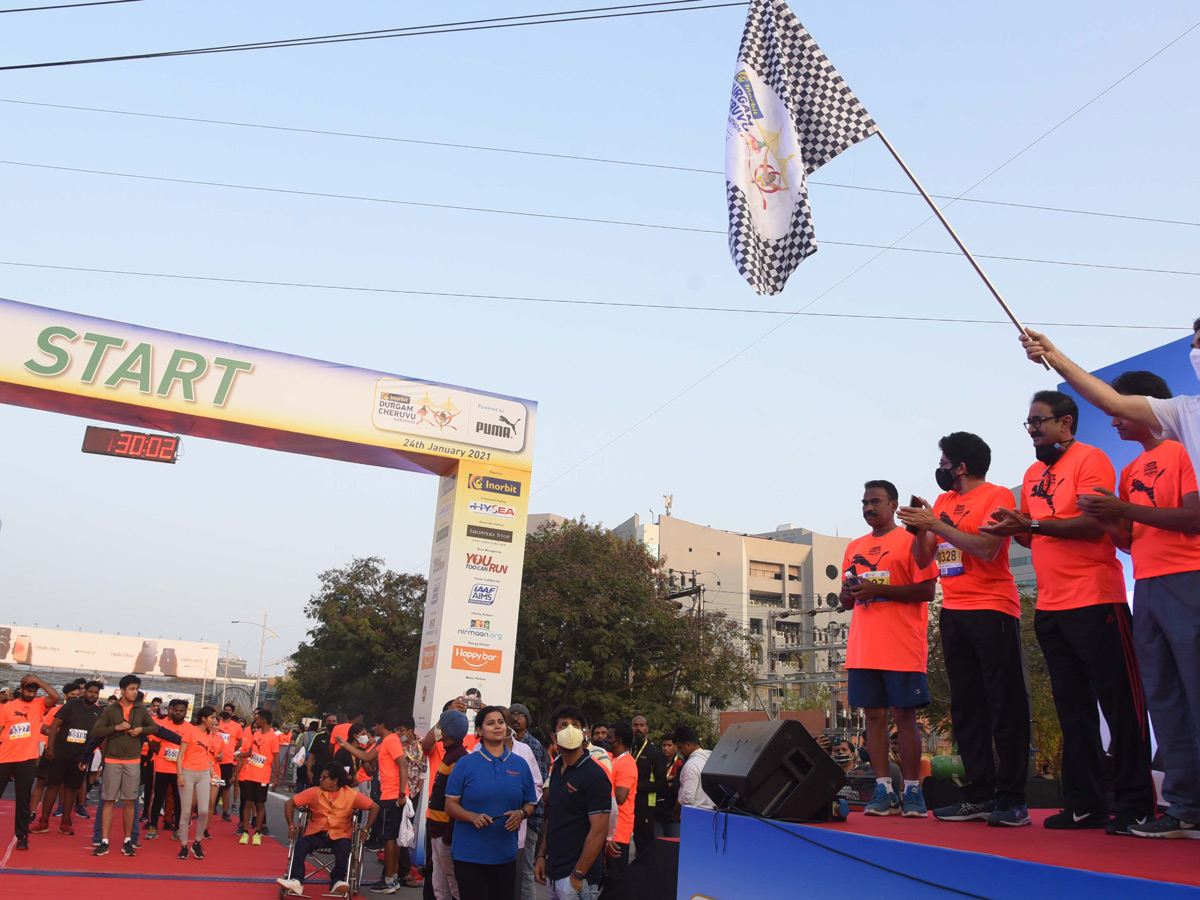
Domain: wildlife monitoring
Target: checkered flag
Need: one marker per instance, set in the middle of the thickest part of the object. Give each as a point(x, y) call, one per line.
point(790, 113)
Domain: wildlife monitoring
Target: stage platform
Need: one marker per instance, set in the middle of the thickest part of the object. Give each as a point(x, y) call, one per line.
point(58, 866)
point(734, 857)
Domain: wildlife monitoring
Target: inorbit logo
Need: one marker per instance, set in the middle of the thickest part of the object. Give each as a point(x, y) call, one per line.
point(494, 485)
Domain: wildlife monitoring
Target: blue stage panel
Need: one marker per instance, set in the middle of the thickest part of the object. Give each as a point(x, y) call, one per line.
point(732, 857)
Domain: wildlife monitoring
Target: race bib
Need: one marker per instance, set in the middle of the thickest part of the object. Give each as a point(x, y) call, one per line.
point(171, 754)
point(224, 736)
point(18, 730)
point(77, 736)
point(257, 760)
point(883, 576)
point(949, 560)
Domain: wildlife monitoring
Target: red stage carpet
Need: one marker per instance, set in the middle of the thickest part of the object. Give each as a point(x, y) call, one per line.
point(58, 865)
point(1091, 849)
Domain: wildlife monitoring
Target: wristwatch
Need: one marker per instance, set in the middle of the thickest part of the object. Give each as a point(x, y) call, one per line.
point(1034, 526)
point(578, 874)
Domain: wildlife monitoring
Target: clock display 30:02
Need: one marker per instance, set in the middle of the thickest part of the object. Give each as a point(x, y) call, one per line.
point(131, 444)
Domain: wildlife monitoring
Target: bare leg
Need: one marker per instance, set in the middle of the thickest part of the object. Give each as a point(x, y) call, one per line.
point(910, 743)
point(106, 817)
point(877, 741)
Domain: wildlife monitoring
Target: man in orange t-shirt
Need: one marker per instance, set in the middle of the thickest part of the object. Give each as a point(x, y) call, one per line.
point(229, 732)
point(887, 652)
point(624, 786)
point(259, 751)
point(1082, 622)
point(20, 733)
point(980, 628)
point(1157, 519)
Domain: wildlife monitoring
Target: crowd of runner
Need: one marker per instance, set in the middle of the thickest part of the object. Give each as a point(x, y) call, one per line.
point(507, 806)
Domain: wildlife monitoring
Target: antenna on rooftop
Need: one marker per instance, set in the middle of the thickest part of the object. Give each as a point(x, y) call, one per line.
point(668, 500)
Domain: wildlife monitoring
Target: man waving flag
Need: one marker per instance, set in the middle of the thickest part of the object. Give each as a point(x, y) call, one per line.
point(790, 113)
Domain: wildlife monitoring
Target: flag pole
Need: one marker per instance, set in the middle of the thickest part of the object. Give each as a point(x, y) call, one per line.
point(957, 240)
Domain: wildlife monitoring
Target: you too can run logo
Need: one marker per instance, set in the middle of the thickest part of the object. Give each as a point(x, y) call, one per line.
point(482, 562)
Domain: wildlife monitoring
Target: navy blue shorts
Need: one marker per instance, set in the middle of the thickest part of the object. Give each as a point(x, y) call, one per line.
point(879, 688)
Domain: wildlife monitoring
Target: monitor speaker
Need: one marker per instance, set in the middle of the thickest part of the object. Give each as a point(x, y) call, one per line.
point(772, 769)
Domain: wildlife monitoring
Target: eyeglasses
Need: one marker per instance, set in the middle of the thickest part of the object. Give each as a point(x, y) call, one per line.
point(1036, 421)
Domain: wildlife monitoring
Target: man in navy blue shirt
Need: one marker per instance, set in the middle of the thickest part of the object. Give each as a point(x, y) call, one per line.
point(578, 804)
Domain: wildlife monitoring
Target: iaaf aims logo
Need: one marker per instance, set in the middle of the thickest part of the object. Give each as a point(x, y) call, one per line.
point(494, 485)
point(483, 594)
point(482, 562)
point(495, 510)
point(476, 659)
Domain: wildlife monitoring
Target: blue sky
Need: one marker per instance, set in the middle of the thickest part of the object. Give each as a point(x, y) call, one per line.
point(786, 432)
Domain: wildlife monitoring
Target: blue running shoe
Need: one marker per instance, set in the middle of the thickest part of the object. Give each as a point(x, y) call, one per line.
point(884, 803)
point(913, 803)
point(1011, 814)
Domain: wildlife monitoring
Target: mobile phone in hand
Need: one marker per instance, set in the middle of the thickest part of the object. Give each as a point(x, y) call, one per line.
point(914, 502)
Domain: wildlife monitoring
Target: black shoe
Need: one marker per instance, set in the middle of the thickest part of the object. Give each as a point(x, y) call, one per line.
point(197, 850)
point(265, 831)
point(101, 850)
point(22, 843)
point(1120, 822)
point(182, 852)
point(225, 817)
point(1069, 819)
point(206, 835)
point(127, 849)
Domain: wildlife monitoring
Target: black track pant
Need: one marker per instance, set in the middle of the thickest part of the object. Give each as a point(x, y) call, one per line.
point(164, 783)
point(22, 774)
point(988, 704)
point(1089, 653)
point(477, 881)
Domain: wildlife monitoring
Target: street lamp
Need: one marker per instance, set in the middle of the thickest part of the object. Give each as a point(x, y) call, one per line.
point(266, 632)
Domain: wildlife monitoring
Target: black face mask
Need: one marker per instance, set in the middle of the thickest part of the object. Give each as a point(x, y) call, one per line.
point(1052, 453)
point(945, 478)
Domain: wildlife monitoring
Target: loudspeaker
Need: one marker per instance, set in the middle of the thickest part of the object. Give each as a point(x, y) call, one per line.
point(772, 769)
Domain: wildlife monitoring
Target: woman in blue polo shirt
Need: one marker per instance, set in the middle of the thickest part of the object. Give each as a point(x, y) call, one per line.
point(492, 789)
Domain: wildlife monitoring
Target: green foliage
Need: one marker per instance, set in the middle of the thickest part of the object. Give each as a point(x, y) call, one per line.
point(594, 632)
point(290, 703)
point(1047, 734)
point(363, 647)
point(816, 697)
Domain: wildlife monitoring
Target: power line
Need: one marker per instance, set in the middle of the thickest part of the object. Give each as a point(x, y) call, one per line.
point(573, 302)
point(622, 223)
point(554, 18)
point(515, 151)
point(67, 6)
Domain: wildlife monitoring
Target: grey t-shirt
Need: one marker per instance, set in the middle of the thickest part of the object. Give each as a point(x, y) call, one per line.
point(1179, 420)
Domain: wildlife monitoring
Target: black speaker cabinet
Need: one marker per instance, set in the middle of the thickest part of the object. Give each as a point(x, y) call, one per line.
point(772, 769)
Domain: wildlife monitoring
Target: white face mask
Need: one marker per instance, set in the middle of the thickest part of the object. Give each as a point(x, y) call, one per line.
point(1195, 358)
point(363, 740)
point(570, 737)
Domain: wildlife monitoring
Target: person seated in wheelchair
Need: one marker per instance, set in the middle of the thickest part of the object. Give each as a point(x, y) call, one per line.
point(331, 806)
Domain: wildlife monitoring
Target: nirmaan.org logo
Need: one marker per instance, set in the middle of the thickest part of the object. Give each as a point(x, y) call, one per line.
point(475, 659)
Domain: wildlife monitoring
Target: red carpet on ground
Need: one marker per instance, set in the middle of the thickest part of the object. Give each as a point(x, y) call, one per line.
point(58, 865)
point(1089, 849)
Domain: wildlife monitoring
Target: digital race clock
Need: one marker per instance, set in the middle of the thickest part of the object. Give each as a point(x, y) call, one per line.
point(134, 444)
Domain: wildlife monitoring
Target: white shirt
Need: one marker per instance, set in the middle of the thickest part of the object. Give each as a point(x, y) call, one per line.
point(690, 792)
point(1179, 420)
point(522, 750)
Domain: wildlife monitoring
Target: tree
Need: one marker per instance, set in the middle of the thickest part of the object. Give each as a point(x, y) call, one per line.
point(363, 647)
point(1047, 734)
point(595, 631)
point(290, 703)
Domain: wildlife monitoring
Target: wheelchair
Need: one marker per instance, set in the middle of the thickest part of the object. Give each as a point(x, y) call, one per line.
point(320, 862)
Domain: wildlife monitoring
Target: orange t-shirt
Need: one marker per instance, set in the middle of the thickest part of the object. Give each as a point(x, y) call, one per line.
point(166, 757)
point(438, 752)
point(263, 747)
point(158, 720)
point(391, 750)
point(886, 635)
point(230, 735)
point(625, 774)
point(969, 582)
point(1160, 478)
point(21, 729)
point(331, 812)
point(203, 747)
point(1071, 573)
point(339, 731)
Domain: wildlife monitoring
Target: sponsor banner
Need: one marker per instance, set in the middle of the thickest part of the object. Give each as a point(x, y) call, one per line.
point(101, 369)
point(485, 533)
point(483, 594)
point(51, 648)
point(476, 659)
point(490, 485)
point(428, 656)
point(493, 510)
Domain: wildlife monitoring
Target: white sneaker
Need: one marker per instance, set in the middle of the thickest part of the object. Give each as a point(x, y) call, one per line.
point(291, 885)
point(341, 889)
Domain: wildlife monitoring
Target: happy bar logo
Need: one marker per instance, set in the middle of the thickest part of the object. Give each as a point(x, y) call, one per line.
point(475, 659)
point(428, 656)
point(494, 485)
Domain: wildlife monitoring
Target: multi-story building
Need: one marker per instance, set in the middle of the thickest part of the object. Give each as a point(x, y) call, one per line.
point(781, 587)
